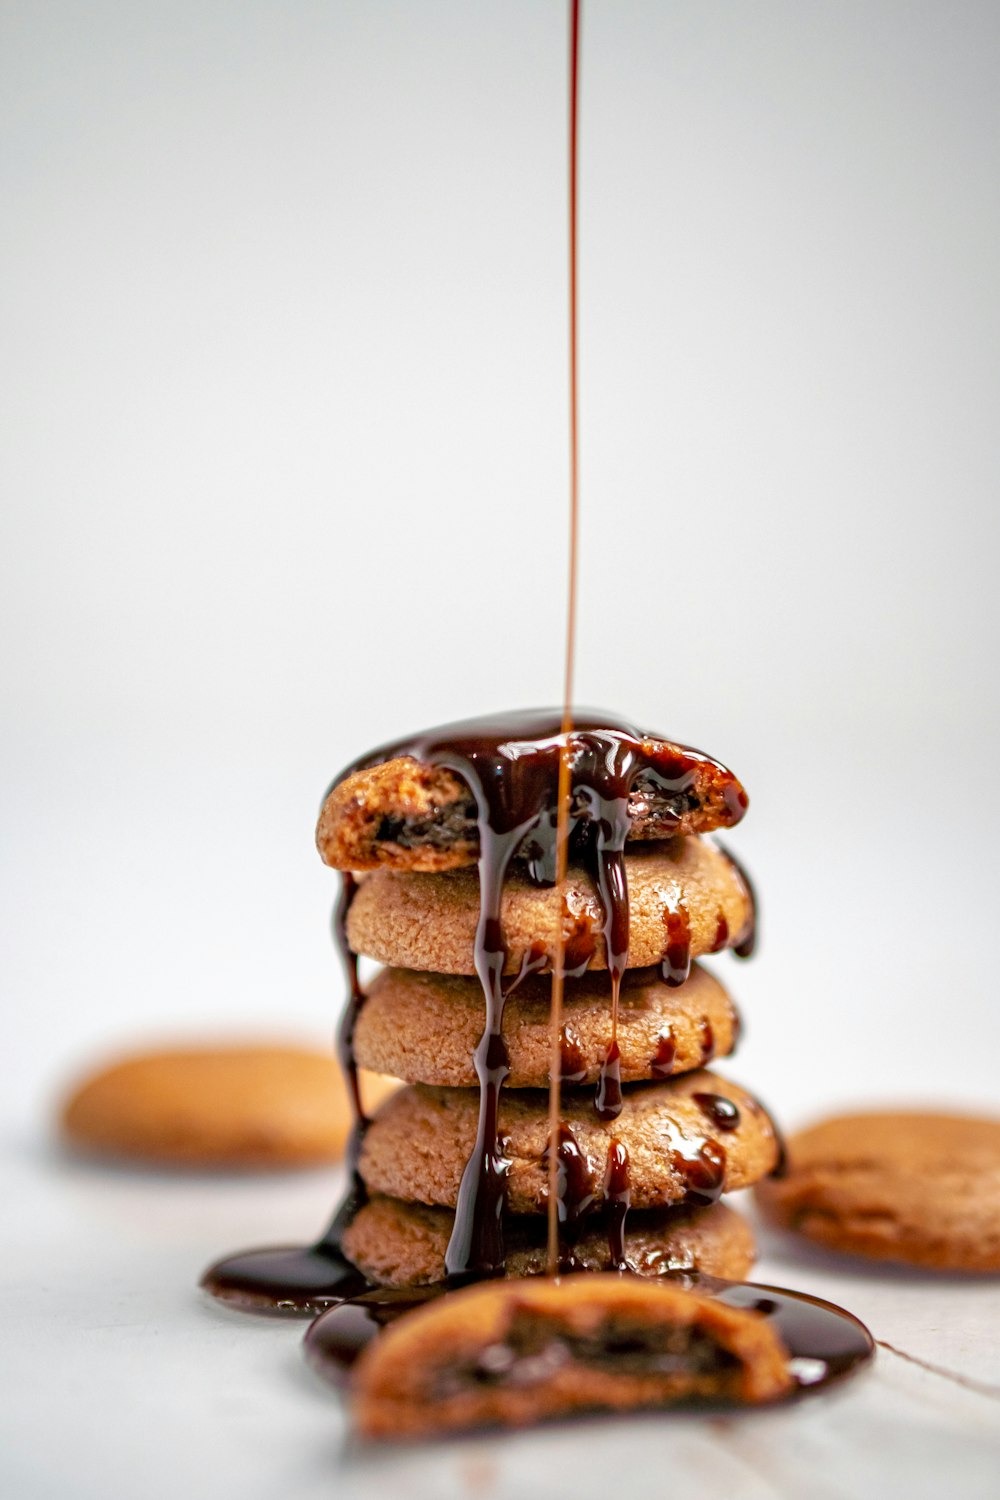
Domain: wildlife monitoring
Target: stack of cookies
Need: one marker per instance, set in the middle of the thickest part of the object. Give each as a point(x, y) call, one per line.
point(648, 1139)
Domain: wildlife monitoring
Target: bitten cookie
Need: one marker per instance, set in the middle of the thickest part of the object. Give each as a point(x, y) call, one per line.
point(429, 921)
point(425, 1027)
point(686, 1140)
point(236, 1107)
point(921, 1189)
point(405, 814)
point(511, 1353)
point(403, 1244)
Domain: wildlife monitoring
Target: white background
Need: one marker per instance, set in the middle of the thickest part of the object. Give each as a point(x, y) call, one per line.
point(284, 474)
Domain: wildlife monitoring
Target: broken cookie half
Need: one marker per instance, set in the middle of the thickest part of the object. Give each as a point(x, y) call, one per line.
point(414, 805)
point(517, 1352)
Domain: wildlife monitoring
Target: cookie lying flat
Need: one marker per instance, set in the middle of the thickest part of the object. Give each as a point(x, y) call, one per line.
point(401, 811)
point(678, 1151)
point(429, 921)
point(424, 1027)
point(403, 1244)
point(512, 1353)
point(238, 1107)
point(921, 1189)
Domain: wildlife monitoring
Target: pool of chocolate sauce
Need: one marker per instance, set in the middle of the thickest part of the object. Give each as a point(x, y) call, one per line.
point(824, 1342)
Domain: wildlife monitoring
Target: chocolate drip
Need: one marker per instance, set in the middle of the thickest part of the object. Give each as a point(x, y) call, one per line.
point(707, 1040)
point(573, 1069)
point(617, 1197)
point(721, 933)
point(662, 1064)
point(676, 964)
point(304, 1280)
point(746, 940)
point(575, 1186)
point(723, 1113)
point(355, 994)
point(703, 1169)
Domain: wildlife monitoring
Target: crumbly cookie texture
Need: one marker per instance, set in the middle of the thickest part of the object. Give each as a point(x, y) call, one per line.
point(421, 1138)
point(425, 1027)
point(429, 921)
point(405, 815)
point(403, 1244)
point(919, 1189)
point(513, 1353)
point(244, 1107)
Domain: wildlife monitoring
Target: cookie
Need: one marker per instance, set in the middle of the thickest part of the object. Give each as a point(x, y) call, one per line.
point(686, 1140)
point(236, 1106)
point(424, 1027)
point(512, 1353)
point(403, 1244)
point(429, 921)
point(402, 812)
point(920, 1189)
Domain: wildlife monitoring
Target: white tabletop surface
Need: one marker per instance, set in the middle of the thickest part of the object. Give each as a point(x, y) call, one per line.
point(124, 1380)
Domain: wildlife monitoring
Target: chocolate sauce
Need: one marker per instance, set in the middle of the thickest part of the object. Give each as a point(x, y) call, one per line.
point(746, 941)
point(608, 1099)
point(662, 1064)
point(707, 1040)
point(723, 1113)
point(577, 1192)
point(676, 964)
point(703, 1168)
point(300, 1281)
point(825, 1343)
point(617, 1197)
point(573, 1069)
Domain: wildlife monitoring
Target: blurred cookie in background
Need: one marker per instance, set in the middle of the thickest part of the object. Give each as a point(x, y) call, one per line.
point(242, 1106)
point(919, 1189)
